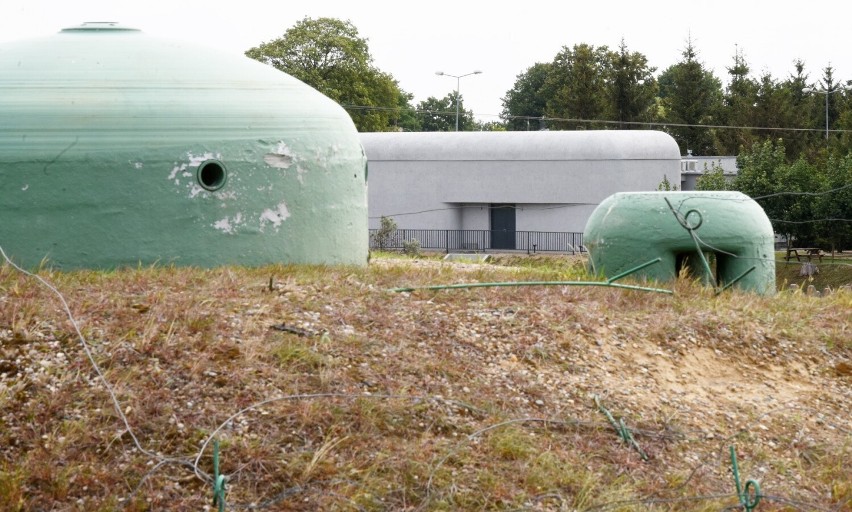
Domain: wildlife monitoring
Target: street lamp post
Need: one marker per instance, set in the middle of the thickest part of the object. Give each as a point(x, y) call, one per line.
point(458, 83)
point(825, 92)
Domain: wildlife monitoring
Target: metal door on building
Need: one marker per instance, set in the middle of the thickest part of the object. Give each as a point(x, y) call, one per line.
point(502, 226)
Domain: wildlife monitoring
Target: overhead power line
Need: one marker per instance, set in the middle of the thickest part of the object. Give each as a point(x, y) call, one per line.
point(650, 124)
point(571, 205)
point(824, 192)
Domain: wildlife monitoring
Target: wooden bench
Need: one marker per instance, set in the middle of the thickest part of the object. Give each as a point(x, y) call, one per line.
point(798, 252)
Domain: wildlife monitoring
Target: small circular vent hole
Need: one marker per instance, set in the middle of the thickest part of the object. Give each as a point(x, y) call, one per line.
point(212, 175)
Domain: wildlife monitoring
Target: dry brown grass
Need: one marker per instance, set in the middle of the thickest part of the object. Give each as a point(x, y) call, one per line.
point(455, 400)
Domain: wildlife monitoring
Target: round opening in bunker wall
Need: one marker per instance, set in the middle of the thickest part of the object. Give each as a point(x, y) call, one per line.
point(212, 175)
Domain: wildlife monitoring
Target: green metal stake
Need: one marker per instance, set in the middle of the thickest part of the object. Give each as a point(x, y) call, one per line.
point(621, 429)
point(732, 283)
point(632, 270)
point(530, 283)
point(608, 283)
point(218, 480)
point(750, 495)
point(627, 435)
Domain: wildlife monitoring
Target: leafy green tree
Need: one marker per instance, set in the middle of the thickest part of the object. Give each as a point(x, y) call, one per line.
point(371, 102)
point(666, 185)
point(712, 178)
point(632, 88)
point(577, 85)
point(756, 172)
point(526, 100)
point(407, 119)
point(330, 56)
point(666, 84)
point(836, 204)
point(785, 191)
point(799, 182)
point(384, 236)
point(491, 126)
point(692, 96)
point(439, 115)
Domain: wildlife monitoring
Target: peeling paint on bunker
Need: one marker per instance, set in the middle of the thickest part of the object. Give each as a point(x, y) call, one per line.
point(280, 158)
point(229, 225)
point(275, 217)
point(229, 162)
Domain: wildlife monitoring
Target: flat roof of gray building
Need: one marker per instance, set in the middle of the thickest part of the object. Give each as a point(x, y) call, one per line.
point(515, 146)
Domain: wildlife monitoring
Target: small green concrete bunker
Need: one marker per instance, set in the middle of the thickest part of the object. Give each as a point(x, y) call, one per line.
point(121, 149)
point(630, 229)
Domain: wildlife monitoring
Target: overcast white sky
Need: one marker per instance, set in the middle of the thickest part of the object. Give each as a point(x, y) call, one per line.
point(412, 40)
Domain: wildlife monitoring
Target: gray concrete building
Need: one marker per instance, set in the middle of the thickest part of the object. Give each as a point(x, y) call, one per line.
point(547, 181)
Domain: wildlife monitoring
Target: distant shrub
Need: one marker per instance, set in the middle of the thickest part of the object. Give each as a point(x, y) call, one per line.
point(383, 236)
point(411, 247)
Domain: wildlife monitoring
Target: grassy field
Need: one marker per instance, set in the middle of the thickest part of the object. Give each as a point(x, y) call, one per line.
point(834, 271)
point(326, 391)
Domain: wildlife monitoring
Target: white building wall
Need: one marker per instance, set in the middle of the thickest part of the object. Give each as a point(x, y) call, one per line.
point(475, 216)
point(411, 194)
point(435, 181)
point(553, 217)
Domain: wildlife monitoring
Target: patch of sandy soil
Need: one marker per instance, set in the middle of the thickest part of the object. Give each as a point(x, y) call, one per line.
point(715, 381)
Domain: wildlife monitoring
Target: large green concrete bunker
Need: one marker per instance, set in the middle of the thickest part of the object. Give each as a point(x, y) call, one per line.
point(118, 149)
point(729, 229)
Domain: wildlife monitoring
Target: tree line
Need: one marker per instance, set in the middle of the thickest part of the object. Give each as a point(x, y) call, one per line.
point(807, 201)
point(583, 87)
point(790, 133)
point(329, 55)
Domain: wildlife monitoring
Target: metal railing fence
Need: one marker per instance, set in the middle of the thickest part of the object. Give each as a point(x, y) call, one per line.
point(481, 240)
